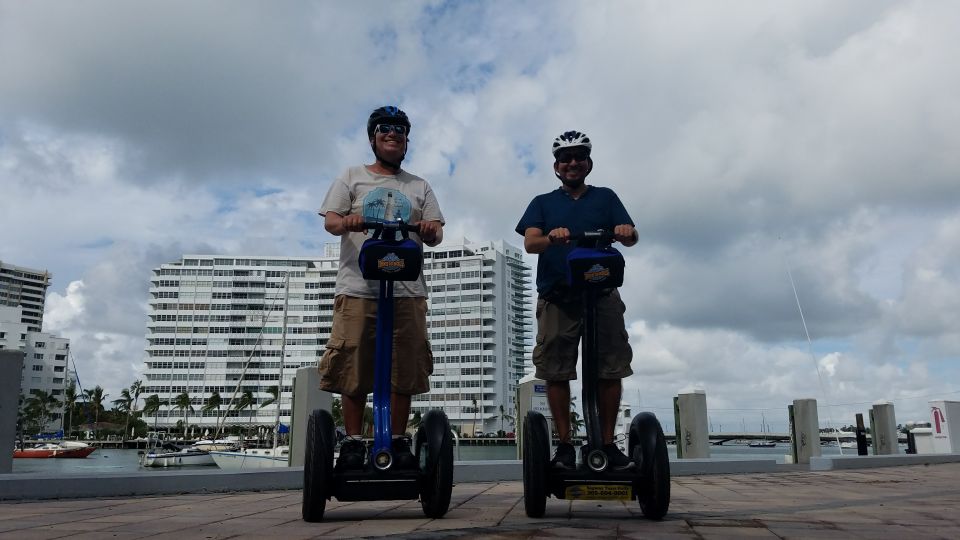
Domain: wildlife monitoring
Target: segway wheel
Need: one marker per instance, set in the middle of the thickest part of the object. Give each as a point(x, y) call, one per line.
point(318, 465)
point(648, 448)
point(536, 459)
point(435, 455)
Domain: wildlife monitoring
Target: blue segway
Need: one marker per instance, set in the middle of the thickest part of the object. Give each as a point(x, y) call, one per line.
point(387, 259)
point(590, 270)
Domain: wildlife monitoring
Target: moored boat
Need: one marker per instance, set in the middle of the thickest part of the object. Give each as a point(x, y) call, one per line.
point(63, 449)
point(253, 458)
point(170, 455)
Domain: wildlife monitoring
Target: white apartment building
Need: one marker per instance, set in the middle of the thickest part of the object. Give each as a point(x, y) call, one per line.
point(481, 331)
point(215, 325)
point(26, 288)
point(45, 355)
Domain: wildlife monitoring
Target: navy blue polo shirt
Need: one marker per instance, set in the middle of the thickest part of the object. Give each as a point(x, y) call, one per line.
point(597, 208)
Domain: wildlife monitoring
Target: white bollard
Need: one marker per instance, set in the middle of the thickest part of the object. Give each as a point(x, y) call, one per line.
point(11, 369)
point(804, 430)
point(531, 396)
point(307, 397)
point(945, 425)
point(883, 429)
point(693, 438)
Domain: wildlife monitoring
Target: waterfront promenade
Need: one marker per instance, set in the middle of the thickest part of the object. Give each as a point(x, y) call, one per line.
point(894, 502)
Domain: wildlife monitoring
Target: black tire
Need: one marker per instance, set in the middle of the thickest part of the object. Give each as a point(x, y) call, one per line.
point(435, 452)
point(318, 465)
point(648, 448)
point(536, 459)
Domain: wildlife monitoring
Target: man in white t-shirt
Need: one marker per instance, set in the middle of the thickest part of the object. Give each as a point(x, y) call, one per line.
point(378, 192)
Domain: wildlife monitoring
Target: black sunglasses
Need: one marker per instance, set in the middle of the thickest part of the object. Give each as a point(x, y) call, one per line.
point(567, 157)
point(390, 128)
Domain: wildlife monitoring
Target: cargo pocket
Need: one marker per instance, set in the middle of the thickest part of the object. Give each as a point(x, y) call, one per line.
point(331, 365)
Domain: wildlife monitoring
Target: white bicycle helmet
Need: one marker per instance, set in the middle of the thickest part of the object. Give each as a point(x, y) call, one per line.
point(569, 139)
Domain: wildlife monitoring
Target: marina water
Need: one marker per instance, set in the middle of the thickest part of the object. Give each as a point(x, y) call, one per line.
point(124, 461)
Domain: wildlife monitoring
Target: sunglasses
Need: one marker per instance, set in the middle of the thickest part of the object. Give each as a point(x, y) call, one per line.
point(567, 157)
point(390, 128)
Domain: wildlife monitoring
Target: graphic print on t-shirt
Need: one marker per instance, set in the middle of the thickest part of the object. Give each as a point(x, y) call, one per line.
point(384, 204)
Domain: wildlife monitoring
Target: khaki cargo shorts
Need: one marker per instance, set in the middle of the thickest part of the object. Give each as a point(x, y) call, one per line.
point(347, 364)
point(558, 337)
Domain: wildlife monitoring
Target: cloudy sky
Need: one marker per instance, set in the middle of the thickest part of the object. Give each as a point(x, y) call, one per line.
point(750, 141)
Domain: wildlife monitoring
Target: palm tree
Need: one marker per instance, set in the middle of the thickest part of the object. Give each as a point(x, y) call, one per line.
point(246, 401)
point(39, 405)
point(96, 397)
point(69, 403)
point(337, 410)
point(151, 406)
point(575, 422)
point(125, 405)
point(213, 404)
point(274, 392)
point(416, 420)
point(504, 416)
point(136, 389)
point(476, 414)
point(182, 403)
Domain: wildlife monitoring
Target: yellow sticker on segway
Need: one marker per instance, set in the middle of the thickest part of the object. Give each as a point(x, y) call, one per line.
point(599, 492)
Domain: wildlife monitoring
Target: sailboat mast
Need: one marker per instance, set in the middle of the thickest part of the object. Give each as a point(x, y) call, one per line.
point(283, 355)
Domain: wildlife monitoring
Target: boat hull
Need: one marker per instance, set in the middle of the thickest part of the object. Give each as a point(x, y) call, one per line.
point(178, 459)
point(59, 453)
point(246, 460)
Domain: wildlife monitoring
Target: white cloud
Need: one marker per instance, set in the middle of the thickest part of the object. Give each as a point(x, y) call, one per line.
point(744, 139)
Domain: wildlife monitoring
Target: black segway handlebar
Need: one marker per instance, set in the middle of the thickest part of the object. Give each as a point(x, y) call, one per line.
point(379, 227)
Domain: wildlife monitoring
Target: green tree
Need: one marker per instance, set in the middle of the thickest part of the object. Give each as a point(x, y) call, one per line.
point(416, 420)
point(151, 407)
point(504, 416)
point(575, 423)
point(246, 401)
point(476, 416)
point(274, 392)
point(182, 403)
point(213, 404)
point(95, 398)
point(39, 407)
point(69, 403)
point(337, 410)
point(124, 405)
point(367, 421)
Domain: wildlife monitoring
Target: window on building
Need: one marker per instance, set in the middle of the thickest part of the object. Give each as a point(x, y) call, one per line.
point(38, 368)
point(39, 345)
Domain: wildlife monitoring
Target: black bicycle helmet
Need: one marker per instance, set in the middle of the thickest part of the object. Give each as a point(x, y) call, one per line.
point(387, 115)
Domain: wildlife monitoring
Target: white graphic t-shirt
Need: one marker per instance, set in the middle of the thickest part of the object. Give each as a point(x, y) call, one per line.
point(378, 197)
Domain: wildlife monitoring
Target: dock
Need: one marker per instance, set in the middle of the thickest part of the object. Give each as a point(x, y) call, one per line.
point(914, 501)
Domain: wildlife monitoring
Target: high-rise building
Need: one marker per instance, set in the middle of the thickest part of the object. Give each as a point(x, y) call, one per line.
point(45, 357)
point(216, 326)
point(26, 288)
point(480, 321)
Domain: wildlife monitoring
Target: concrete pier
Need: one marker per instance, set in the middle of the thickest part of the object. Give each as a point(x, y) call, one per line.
point(691, 418)
point(883, 429)
point(804, 430)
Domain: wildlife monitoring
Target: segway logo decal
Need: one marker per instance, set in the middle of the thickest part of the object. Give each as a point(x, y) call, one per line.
point(390, 263)
point(599, 492)
point(596, 274)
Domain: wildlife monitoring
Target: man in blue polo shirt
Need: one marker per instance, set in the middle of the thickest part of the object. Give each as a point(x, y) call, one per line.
point(546, 227)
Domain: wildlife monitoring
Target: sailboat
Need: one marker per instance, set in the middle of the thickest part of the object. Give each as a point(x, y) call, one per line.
point(263, 458)
point(764, 443)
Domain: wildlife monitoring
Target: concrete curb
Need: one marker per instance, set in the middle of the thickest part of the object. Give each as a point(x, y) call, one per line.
point(836, 463)
point(26, 486)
